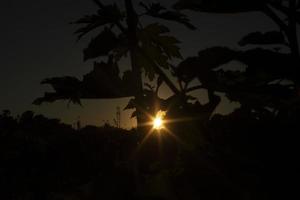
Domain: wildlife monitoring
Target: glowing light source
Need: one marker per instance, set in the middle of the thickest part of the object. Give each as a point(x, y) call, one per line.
point(158, 122)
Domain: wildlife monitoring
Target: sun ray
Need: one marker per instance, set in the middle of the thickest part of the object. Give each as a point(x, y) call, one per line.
point(158, 125)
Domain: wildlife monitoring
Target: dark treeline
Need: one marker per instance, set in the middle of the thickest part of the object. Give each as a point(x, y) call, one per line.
point(42, 158)
point(248, 155)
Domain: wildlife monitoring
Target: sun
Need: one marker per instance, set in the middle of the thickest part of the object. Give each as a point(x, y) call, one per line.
point(158, 122)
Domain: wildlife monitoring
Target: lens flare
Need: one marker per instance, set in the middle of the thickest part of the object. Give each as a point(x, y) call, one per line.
point(158, 122)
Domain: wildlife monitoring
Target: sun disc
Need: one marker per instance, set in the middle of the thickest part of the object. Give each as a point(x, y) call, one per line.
point(158, 122)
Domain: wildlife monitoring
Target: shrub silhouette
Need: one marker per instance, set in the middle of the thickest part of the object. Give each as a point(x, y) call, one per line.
point(42, 158)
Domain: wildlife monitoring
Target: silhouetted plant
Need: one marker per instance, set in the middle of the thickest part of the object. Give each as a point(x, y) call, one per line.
point(267, 89)
point(44, 158)
point(288, 8)
point(149, 48)
point(237, 154)
point(260, 84)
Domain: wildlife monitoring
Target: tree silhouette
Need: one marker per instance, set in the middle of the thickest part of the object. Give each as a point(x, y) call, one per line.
point(287, 8)
point(267, 89)
point(239, 155)
point(252, 87)
point(150, 49)
point(43, 158)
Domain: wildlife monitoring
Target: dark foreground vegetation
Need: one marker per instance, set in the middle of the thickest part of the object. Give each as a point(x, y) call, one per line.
point(247, 156)
point(42, 158)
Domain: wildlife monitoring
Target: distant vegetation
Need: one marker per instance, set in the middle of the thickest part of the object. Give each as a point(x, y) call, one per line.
point(244, 154)
point(42, 158)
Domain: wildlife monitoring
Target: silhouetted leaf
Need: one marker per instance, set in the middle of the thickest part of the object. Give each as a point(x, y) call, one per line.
point(131, 104)
point(120, 52)
point(250, 87)
point(146, 65)
point(149, 87)
point(271, 37)
point(156, 29)
point(104, 82)
point(284, 8)
point(110, 14)
point(152, 7)
point(158, 47)
point(105, 42)
point(158, 11)
point(220, 6)
point(67, 88)
point(48, 97)
point(157, 55)
point(216, 56)
point(169, 46)
point(268, 64)
point(159, 82)
point(133, 114)
point(64, 85)
point(204, 63)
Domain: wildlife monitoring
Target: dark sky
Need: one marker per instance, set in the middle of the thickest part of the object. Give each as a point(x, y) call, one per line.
point(37, 42)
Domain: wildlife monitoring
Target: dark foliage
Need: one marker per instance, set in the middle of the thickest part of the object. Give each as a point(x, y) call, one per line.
point(158, 11)
point(248, 154)
point(150, 48)
point(42, 158)
point(103, 82)
point(258, 38)
point(105, 42)
point(217, 6)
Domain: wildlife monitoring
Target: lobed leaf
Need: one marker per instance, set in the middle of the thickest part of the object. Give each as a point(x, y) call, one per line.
point(104, 43)
point(268, 38)
point(158, 11)
point(109, 14)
